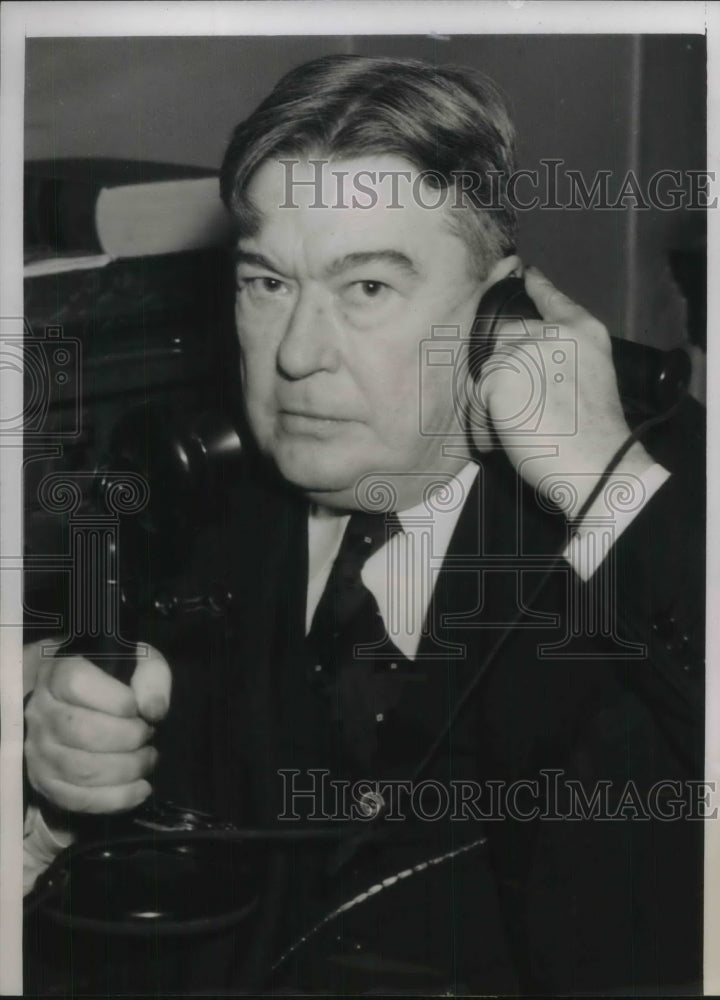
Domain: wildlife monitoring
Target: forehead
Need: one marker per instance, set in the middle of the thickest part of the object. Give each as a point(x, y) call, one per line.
point(361, 203)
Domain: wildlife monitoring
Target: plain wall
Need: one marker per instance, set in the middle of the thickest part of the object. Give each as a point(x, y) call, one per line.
point(608, 102)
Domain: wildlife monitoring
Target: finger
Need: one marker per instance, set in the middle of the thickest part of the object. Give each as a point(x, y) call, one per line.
point(85, 729)
point(513, 379)
point(151, 684)
point(80, 767)
point(77, 681)
point(35, 655)
point(552, 304)
point(103, 800)
point(50, 646)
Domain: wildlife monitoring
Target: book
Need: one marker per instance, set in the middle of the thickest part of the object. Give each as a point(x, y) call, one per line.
point(75, 209)
point(36, 267)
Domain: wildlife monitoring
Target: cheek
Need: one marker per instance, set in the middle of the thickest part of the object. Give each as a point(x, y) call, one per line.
point(442, 398)
point(387, 374)
point(258, 390)
point(257, 357)
point(393, 401)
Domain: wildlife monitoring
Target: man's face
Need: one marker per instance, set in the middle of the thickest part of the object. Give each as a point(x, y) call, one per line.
point(332, 306)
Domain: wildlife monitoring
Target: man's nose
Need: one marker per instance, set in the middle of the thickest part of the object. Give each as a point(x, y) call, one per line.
point(310, 342)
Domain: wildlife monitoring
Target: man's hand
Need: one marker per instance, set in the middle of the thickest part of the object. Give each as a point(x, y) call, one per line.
point(553, 401)
point(87, 745)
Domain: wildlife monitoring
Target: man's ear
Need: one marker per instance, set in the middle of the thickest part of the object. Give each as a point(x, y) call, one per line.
point(503, 268)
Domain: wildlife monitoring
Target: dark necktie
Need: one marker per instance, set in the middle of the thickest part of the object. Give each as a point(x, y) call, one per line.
point(346, 635)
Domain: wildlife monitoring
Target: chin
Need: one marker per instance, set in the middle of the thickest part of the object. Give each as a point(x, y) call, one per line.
point(344, 487)
point(317, 476)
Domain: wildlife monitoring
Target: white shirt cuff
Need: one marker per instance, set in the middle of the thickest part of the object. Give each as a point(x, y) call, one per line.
point(617, 506)
point(41, 845)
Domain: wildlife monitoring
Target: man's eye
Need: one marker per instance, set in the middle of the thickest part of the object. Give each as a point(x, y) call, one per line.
point(372, 288)
point(262, 287)
point(364, 292)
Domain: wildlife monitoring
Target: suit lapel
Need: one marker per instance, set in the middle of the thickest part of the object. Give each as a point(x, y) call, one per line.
point(477, 591)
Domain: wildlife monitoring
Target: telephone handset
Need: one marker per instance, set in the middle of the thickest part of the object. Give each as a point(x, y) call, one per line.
point(649, 380)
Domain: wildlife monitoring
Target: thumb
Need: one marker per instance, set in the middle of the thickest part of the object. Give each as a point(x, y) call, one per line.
point(151, 684)
point(552, 304)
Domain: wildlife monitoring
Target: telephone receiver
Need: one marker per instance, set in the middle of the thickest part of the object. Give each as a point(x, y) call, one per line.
point(650, 380)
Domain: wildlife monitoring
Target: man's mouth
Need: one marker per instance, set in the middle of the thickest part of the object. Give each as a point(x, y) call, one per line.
point(312, 422)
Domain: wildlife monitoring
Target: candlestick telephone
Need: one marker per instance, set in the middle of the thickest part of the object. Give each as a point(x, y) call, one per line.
point(167, 869)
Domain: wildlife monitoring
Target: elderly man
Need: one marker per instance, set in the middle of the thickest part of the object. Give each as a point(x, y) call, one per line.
point(440, 619)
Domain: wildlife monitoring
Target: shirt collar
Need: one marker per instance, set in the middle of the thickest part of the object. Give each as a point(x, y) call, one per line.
point(325, 531)
point(443, 507)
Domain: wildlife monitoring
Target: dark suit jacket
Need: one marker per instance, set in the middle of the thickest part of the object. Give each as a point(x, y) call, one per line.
point(547, 904)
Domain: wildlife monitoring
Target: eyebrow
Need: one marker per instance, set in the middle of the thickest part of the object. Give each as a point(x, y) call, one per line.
point(360, 258)
point(256, 259)
point(341, 264)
